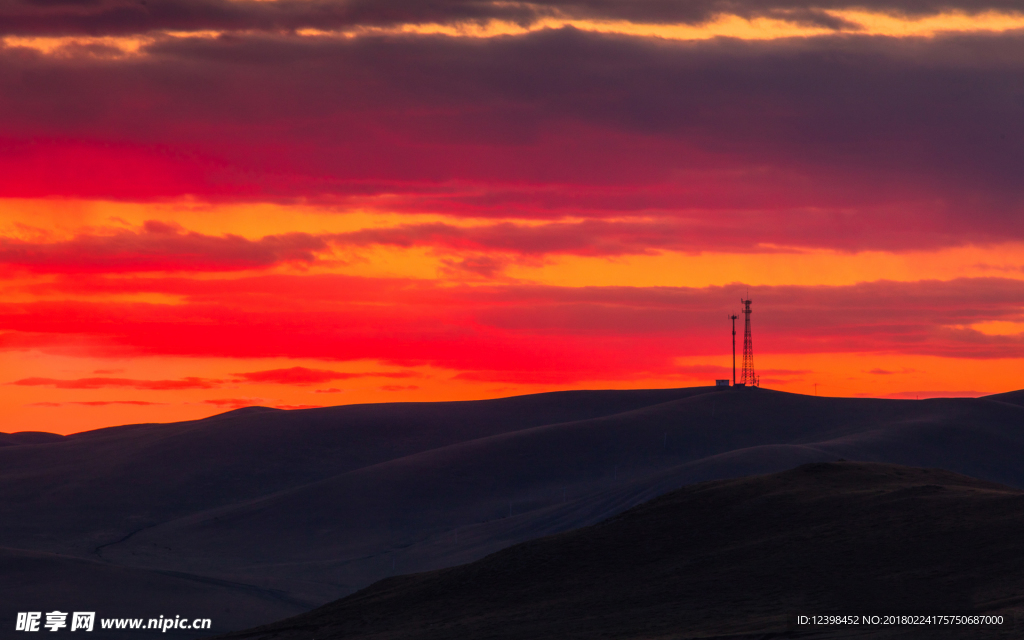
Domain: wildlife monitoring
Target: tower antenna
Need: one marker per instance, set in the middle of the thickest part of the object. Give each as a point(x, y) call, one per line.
point(733, 318)
point(748, 376)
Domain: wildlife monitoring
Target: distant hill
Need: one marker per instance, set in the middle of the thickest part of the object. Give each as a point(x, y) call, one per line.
point(28, 437)
point(298, 508)
point(1012, 397)
point(732, 558)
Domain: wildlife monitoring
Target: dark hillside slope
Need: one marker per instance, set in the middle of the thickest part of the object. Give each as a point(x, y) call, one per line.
point(38, 581)
point(1011, 397)
point(96, 487)
point(729, 558)
point(67, 502)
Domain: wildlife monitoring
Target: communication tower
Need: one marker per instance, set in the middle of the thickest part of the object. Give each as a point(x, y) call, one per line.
point(748, 376)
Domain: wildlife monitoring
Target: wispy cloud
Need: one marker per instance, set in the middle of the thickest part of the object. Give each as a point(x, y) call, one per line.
point(924, 395)
point(104, 383)
point(305, 376)
point(158, 246)
point(885, 372)
point(235, 403)
point(109, 17)
point(96, 403)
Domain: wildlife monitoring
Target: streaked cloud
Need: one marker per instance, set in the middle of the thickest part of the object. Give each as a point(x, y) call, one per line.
point(306, 376)
point(917, 395)
point(475, 17)
point(98, 403)
point(105, 383)
point(158, 246)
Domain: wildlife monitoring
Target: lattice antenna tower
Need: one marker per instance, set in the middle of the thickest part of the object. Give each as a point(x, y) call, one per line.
point(747, 377)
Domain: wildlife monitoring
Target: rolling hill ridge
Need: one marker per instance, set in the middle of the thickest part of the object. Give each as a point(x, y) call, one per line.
point(288, 510)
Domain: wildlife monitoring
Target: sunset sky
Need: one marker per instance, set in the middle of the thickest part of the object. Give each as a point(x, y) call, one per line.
point(210, 204)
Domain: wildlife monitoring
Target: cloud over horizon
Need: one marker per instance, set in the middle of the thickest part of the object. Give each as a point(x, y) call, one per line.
point(517, 332)
point(118, 17)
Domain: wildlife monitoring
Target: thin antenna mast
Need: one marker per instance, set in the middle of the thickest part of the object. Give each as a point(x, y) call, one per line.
point(733, 318)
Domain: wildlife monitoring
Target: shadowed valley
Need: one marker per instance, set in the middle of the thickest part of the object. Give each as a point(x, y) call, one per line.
point(736, 559)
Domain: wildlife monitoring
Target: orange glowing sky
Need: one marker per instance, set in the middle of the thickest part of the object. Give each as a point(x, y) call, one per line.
point(275, 209)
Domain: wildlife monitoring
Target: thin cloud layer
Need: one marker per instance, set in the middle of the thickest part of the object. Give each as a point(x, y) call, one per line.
point(106, 383)
point(118, 17)
point(519, 333)
point(481, 249)
point(306, 376)
point(158, 246)
point(98, 403)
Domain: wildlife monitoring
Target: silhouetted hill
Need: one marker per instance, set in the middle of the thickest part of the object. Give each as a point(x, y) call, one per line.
point(84, 495)
point(304, 507)
point(115, 481)
point(733, 558)
point(28, 437)
point(1012, 397)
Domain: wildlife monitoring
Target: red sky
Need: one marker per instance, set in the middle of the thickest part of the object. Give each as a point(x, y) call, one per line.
point(208, 204)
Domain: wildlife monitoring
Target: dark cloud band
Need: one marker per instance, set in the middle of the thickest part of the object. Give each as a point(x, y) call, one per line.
point(847, 142)
point(158, 246)
point(123, 17)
